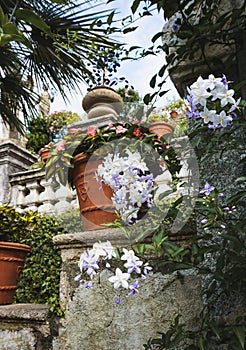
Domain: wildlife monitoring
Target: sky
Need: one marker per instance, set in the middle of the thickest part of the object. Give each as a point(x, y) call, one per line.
point(138, 73)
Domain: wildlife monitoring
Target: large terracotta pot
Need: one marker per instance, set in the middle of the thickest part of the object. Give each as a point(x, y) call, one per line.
point(95, 202)
point(12, 258)
point(161, 128)
point(102, 100)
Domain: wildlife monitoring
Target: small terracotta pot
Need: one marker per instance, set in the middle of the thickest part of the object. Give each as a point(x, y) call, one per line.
point(161, 128)
point(174, 114)
point(12, 258)
point(44, 155)
point(95, 202)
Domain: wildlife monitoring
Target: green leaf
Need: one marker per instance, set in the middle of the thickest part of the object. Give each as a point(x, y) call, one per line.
point(153, 81)
point(135, 5)
point(110, 17)
point(240, 333)
point(156, 36)
point(32, 18)
point(128, 30)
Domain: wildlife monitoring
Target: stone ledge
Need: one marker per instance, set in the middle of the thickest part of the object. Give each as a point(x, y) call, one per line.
point(88, 238)
point(25, 312)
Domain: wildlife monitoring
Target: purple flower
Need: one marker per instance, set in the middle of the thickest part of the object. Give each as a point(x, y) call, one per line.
point(220, 195)
point(207, 189)
point(77, 278)
point(133, 265)
point(88, 284)
point(117, 301)
point(222, 226)
point(224, 81)
point(134, 288)
point(204, 221)
point(147, 268)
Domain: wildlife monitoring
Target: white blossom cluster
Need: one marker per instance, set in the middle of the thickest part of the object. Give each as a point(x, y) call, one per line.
point(97, 258)
point(212, 100)
point(131, 182)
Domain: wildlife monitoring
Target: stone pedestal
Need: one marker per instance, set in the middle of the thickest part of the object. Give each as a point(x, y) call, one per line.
point(13, 158)
point(94, 321)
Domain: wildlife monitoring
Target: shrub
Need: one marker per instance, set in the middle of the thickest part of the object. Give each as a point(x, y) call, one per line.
point(40, 278)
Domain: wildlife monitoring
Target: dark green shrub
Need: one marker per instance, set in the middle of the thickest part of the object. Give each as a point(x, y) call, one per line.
point(40, 278)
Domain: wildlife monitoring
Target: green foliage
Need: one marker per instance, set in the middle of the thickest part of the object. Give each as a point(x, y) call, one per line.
point(71, 221)
point(15, 226)
point(53, 41)
point(40, 277)
point(42, 130)
point(38, 134)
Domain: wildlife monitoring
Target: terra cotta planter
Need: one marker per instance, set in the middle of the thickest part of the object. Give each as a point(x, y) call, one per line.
point(161, 128)
point(95, 202)
point(12, 258)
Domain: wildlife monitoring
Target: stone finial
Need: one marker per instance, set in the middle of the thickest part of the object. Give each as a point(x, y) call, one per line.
point(102, 100)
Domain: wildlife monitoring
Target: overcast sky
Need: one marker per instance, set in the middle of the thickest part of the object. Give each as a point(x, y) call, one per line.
point(138, 73)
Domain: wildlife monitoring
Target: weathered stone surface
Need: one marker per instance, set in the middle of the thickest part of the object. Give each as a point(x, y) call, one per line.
point(26, 327)
point(36, 312)
point(94, 321)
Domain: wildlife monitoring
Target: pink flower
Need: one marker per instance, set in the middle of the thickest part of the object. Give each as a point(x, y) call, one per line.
point(109, 126)
point(120, 129)
point(61, 146)
point(91, 131)
point(73, 131)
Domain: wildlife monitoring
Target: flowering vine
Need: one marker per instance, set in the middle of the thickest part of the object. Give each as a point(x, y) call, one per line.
point(96, 259)
point(213, 101)
point(131, 181)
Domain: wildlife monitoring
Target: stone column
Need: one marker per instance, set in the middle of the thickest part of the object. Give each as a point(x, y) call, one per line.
point(13, 158)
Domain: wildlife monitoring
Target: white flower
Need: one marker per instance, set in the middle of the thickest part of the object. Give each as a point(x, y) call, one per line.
point(208, 115)
point(120, 279)
point(128, 255)
point(226, 98)
point(104, 249)
point(223, 119)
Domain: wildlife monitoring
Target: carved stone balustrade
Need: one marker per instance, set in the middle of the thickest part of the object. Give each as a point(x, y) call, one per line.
point(30, 190)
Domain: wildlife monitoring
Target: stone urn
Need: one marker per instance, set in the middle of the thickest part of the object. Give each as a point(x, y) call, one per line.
point(102, 100)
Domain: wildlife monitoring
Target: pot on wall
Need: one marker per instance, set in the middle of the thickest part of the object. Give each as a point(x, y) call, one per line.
point(161, 128)
point(44, 155)
point(102, 100)
point(95, 202)
point(12, 259)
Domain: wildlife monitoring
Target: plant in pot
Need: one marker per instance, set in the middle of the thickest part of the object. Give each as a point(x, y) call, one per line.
point(170, 119)
point(14, 226)
point(81, 159)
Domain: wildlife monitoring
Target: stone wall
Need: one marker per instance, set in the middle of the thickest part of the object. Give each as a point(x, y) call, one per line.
point(94, 321)
point(26, 327)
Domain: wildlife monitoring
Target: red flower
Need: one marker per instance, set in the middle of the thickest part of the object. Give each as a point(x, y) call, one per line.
point(137, 132)
point(91, 131)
